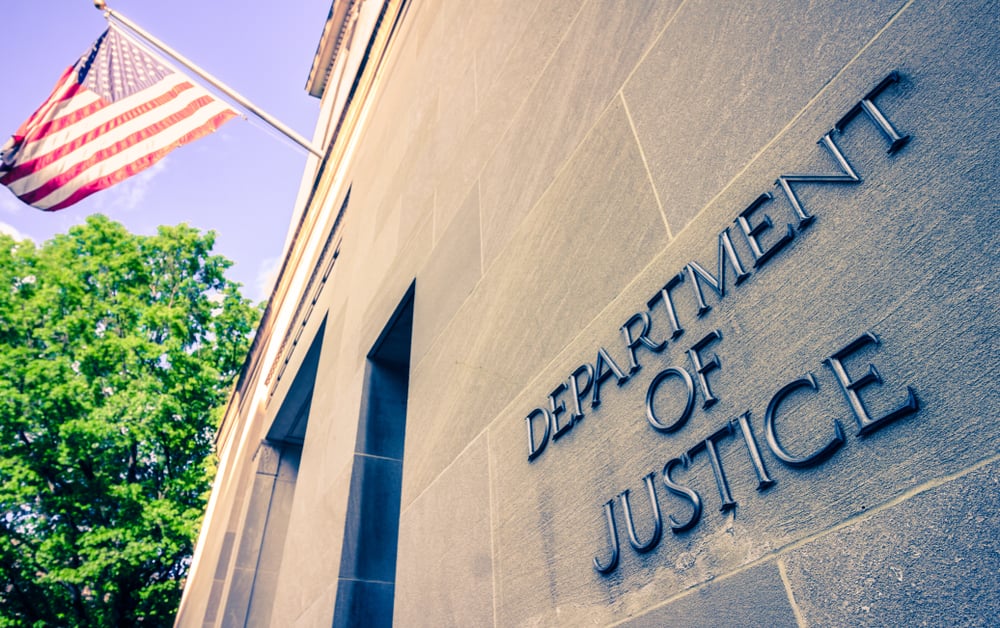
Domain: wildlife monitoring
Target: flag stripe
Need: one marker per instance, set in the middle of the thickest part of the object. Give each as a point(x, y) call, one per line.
point(100, 126)
point(134, 152)
point(32, 156)
point(141, 164)
point(34, 146)
point(170, 138)
point(112, 148)
point(86, 105)
point(110, 139)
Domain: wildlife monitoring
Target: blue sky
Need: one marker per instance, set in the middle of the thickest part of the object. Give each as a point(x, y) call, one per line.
point(242, 180)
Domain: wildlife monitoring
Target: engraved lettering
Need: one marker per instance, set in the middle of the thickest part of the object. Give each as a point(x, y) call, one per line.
point(683, 492)
point(604, 368)
point(668, 303)
point(639, 546)
point(697, 274)
point(609, 515)
point(851, 387)
point(703, 369)
point(785, 181)
point(654, 386)
point(867, 106)
point(799, 462)
point(710, 446)
point(535, 450)
point(557, 407)
point(764, 481)
point(579, 392)
point(761, 256)
point(642, 340)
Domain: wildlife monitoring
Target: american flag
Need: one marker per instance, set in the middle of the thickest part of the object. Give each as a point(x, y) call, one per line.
point(114, 113)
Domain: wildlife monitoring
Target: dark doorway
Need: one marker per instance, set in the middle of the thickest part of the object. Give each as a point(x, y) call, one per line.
point(368, 560)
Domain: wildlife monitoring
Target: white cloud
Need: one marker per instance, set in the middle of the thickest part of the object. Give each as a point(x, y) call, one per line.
point(12, 232)
point(267, 274)
point(130, 193)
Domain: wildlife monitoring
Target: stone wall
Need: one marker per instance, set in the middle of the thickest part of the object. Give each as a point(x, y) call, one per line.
point(551, 172)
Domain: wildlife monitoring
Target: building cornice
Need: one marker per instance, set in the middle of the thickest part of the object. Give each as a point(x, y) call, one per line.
point(336, 31)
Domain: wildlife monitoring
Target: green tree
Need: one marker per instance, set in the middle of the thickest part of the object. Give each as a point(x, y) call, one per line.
point(117, 353)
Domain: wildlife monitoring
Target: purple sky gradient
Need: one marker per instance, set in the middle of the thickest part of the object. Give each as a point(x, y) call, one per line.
point(242, 180)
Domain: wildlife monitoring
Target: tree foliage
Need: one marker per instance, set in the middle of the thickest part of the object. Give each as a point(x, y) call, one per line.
point(117, 353)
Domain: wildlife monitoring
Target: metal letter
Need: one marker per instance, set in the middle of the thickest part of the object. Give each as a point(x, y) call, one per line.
point(701, 370)
point(533, 450)
point(609, 514)
point(760, 256)
point(642, 548)
point(557, 409)
point(664, 295)
point(785, 180)
point(866, 424)
point(578, 393)
point(682, 491)
point(604, 367)
point(779, 452)
point(642, 339)
point(764, 481)
point(867, 106)
point(651, 392)
point(709, 445)
point(718, 285)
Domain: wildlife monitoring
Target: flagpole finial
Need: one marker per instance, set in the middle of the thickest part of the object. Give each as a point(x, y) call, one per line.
point(100, 5)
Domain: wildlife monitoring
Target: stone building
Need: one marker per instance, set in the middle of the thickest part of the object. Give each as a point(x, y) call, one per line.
point(615, 311)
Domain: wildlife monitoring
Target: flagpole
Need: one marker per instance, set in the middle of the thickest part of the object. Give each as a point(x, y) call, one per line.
point(239, 98)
